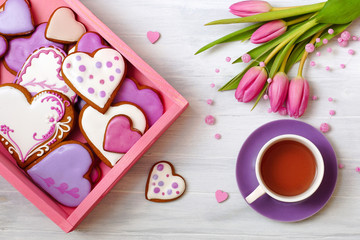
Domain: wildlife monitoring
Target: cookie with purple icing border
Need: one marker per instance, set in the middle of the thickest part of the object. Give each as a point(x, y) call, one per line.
point(64, 172)
point(3, 46)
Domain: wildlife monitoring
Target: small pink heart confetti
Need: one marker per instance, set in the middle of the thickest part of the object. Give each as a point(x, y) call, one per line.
point(221, 196)
point(153, 36)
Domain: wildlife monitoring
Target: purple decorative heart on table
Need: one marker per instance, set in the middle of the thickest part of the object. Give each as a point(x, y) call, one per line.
point(21, 48)
point(144, 97)
point(61, 173)
point(90, 42)
point(15, 18)
point(119, 135)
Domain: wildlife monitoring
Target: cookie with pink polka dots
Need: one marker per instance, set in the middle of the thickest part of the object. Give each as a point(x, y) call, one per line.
point(95, 77)
point(163, 184)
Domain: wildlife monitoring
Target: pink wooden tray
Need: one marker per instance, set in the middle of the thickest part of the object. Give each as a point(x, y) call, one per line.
point(68, 218)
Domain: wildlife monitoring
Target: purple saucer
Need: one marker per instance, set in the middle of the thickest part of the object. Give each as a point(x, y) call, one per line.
point(267, 206)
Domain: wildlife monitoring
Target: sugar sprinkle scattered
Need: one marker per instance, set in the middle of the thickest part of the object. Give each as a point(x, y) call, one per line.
point(324, 127)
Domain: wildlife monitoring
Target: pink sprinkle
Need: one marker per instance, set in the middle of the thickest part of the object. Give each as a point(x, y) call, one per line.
point(341, 166)
point(266, 97)
point(329, 49)
point(330, 99)
point(318, 40)
point(269, 110)
point(342, 66)
point(217, 70)
point(332, 112)
point(340, 40)
point(343, 43)
point(283, 111)
point(318, 54)
point(309, 47)
point(228, 59)
point(217, 136)
point(345, 35)
point(312, 63)
point(357, 169)
point(331, 31)
point(314, 97)
point(269, 80)
point(355, 38)
point(212, 85)
point(324, 127)
point(328, 68)
point(68, 65)
point(209, 101)
point(325, 41)
point(262, 64)
point(246, 58)
point(351, 52)
point(210, 120)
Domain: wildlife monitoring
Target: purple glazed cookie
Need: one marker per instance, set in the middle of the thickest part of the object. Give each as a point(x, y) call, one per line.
point(90, 42)
point(3, 46)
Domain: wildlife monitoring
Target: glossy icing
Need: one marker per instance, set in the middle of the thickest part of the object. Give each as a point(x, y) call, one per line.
point(29, 129)
point(163, 184)
point(90, 42)
point(42, 71)
point(144, 97)
point(63, 27)
point(16, 18)
point(119, 135)
point(61, 173)
point(3, 45)
point(21, 48)
point(94, 78)
point(93, 126)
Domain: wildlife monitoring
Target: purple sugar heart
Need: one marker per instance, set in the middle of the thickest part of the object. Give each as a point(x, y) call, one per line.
point(66, 166)
point(144, 97)
point(119, 135)
point(90, 42)
point(16, 19)
point(21, 48)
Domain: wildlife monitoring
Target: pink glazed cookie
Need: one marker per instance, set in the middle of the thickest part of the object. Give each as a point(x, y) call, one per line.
point(90, 42)
point(64, 173)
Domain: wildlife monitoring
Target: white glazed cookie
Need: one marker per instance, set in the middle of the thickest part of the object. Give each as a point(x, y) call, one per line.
point(163, 184)
point(95, 77)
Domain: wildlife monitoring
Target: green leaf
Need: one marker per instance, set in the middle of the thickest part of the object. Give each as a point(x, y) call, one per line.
point(339, 11)
point(280, 58)
point(260, 95)
point(313, 31)
point(269, 16)
point(337, 30)
point(296, 54)
point(240, 35)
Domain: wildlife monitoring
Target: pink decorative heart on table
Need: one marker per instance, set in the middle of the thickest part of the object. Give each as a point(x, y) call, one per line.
point(221, 196)
point(153, 36)
point(120, 136)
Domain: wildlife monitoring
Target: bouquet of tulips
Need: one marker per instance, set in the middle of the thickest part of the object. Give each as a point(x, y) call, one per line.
point(287, 36)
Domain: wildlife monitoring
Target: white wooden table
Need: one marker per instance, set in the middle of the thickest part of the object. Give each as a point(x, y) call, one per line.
point(206, 163)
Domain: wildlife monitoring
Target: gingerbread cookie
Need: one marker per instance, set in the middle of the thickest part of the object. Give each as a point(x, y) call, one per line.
point(31, 126)
point(63, 27)
point(106, 130)
point(90, 42)
point(3, 46)
point(64, 173)
point(42, 71)
point(21, 48)
point(145, 97)
point(95, 77)
point(163, 185)
point(16, 18)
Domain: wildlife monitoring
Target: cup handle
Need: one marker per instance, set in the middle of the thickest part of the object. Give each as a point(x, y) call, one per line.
point(258, 192)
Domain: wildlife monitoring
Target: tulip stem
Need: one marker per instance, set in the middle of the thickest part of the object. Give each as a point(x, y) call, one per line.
point(281, 8)
point(300, 19)
point(296, 35)
point(305, 55)
point(283, 65)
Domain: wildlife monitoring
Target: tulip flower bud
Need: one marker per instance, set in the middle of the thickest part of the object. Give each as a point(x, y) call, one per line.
point(269, 31)
point(251, 84)
point(278, 91)
point(249, 8)
point(298, 97)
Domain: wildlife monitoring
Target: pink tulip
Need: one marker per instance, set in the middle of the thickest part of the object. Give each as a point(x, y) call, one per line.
point(278, 91)
point(249, 8)
point(251, 84)
point(269, 31)
point(298, 97)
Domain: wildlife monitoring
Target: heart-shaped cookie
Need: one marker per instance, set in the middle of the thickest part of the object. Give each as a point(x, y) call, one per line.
point(3, 46)
point(21, 48)
point(31, 126)
point(64, 173)
point(63, 27)
point(145, 97)
point(90, 42)
point(95, 77)
point(42, 71)
point(93, 126)
point(120, 136)
point(163, 185)
point(16, 18)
